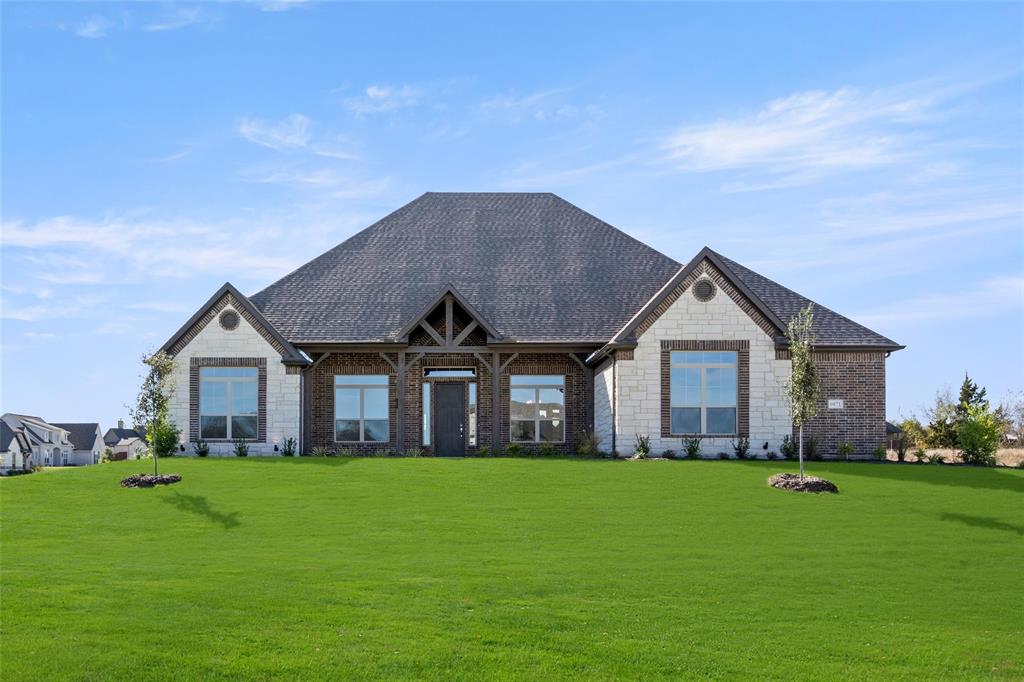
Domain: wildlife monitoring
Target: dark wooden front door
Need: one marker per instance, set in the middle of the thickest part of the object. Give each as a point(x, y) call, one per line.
point(449, 419)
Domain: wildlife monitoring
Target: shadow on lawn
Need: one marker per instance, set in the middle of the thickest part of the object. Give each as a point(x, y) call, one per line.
point(982, 522)
point(200, 505)
point(951, 476)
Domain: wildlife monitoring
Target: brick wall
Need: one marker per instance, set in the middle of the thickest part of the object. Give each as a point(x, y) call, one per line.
point(322, 402)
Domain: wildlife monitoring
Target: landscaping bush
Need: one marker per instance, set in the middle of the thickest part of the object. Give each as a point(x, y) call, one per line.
point(642, 447)
point(772, 454)
point(978, 436)
point(614, 454)
point(514, 450)
point(845, 449)
point(723, 455)
point(789, 448)
point(288, 450)
point(483, 451)
point(164, 439)
point(547, 450)
point(342, 452)
point(201, 448)
point(320, 452)
point(692, 447)
point(668, 454)
point(241, 449)
point(412, 452)
point(107, 455)
point(879, 453)
point(921, 456)
point(900, 442)
point(741, 446)
point(587, 443)
point(811, 448)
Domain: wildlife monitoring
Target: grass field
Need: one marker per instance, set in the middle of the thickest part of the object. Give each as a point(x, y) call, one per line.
point(511, 568)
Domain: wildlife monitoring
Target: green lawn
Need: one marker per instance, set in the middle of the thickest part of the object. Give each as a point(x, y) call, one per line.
point(511, 568)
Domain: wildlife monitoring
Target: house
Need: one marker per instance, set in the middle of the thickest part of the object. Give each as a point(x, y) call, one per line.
point(892, 433)
point(125, 443)
point(87, 441)
point(463, 322)
point(45, 444)
point(15, 450)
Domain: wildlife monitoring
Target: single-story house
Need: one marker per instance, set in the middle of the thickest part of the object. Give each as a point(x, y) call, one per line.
point(463, 322)
point(125, 443)
point(47, 444)
point(87, 441)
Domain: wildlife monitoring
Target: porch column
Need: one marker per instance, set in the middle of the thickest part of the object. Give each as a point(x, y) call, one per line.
point(400, 439)
point(496, 402)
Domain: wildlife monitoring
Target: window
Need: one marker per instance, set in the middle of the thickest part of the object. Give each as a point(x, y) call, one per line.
point(449, 372)
point(426, 413)
point(361, 408)
point(537, 408)
point(228, 403)
point(472, 413)
point(703, 392)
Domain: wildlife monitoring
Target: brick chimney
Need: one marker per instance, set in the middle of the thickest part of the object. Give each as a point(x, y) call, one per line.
point(120, 423)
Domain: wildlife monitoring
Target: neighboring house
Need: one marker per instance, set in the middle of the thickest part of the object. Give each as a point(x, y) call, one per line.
point(892, 432)
point(125, 443)
point(15, 450)
point(47, 444)
point(467, 321)
point(87, 441)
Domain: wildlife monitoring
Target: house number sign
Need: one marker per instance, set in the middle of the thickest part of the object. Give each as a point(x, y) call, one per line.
point(835, 403)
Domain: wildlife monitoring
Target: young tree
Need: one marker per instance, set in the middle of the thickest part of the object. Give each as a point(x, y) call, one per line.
point(970, 396)
point(153, 403)
point(804, 387)
point(942, 420)
point(978, 436)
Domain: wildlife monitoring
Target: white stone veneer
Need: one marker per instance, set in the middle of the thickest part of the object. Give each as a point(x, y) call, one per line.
point(638, 381)
point(283, 390)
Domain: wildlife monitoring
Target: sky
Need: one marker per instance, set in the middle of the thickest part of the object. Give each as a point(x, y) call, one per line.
point(869, 156)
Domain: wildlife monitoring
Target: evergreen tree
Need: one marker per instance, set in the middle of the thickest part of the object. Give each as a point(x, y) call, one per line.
point(970, 396)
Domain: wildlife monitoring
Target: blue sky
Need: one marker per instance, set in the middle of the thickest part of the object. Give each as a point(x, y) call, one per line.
point(868, 156)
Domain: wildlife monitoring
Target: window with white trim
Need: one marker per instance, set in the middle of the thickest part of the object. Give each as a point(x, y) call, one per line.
point(361, 408)
point(228, 403)
point(703, 392)
point(537, 408)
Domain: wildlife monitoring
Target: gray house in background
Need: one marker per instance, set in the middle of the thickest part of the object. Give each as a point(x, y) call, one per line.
point(86, 441)
point(464, 323)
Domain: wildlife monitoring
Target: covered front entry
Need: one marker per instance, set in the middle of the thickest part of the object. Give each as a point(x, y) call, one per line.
point(450, 419)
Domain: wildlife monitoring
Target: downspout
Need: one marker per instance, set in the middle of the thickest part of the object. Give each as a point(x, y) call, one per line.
point(615, 397)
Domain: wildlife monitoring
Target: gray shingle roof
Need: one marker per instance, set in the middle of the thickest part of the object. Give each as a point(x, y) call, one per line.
point(830, 328)
point(535, 266)
point(113, 435)
point(82, 436)
point(6, 436)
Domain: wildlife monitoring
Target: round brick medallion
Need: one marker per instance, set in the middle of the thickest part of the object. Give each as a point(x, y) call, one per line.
point(704, 290)
point(229, 320)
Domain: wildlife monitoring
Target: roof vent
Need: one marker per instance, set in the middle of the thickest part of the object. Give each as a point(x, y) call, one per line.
point(229, 320)
point(704, 290)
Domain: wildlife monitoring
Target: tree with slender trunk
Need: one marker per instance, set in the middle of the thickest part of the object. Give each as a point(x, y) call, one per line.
point(804, 386)
point(153, 403)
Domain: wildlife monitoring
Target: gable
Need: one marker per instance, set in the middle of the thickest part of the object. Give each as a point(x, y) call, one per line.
point(225, 300)
point(448, 321)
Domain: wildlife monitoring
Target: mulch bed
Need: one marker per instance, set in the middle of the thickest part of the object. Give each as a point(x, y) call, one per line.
point(148, 481)
point(809, 484)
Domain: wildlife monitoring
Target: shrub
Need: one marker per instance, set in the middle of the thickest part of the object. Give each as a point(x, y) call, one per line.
point(106, 456)
point(741, 446)
point(723, 455)
point(483, 451)
point(547, 450)
point(668, 454)
point(880, 454)
point(614, 454)
point(587, 443)
point(936, 459)
point(900, 443)
point(412, 452)
point(921, 456)
point(811, 448)
point(320, 452)
point(845, 449)
point(343, 452)
point(692, 447)
point(642, 448)
point(1020, 464)
point(788, 448)
point(241, 449)
point(380, 452)
point(164, 438)
point(201, 447)
point(978, 436)
point(772, 454)
point(288, 450)
point(514, 450)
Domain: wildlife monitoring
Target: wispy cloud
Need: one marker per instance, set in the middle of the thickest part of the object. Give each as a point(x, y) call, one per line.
point(93, 27)
point(378, 99)
point(293, 133)
point(175, 18)
point(1001, 296)
point(542, 105)
point(325, 180)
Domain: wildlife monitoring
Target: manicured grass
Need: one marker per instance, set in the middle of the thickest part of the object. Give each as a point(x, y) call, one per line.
point(493, 568)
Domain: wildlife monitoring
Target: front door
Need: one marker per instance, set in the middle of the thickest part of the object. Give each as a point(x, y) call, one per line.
point(450, 419)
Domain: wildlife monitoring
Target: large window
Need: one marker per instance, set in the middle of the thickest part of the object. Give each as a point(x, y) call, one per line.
point(538, 408)
point(228, 403)
point(361, 408)
point(704, 392)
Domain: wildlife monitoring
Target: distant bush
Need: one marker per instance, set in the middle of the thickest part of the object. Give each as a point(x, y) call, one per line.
point(920, 455)
point(845, 449)
point(668, 454)
point(772, 454)
point(343, 452)
point(514, 450)
point(107, 455)
point(164, 438)
point(900, 443)
point(741, 446)
point(978, 435)
point(412, 452)
point(723, 455)
point(483, 451)
point(692, 447)
point(642, 446)
point(241, 448)
point(201, 448)
point(320, 452)
point(587, 443)
point(547, 450)
point(788, 448)
point(811, 448)
point(288, 449)
point(879, 453)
